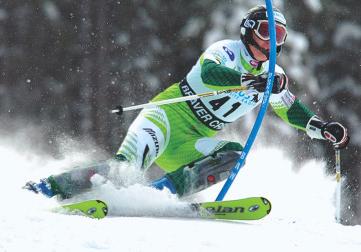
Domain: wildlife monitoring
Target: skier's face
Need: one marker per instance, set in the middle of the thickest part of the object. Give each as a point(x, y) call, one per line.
point(258, 55)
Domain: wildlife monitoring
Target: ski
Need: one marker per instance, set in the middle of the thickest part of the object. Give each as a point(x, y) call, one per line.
point(253, 208)
point(95, 209)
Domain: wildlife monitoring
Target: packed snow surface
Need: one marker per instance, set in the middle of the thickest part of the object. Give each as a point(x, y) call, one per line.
point(302, 216)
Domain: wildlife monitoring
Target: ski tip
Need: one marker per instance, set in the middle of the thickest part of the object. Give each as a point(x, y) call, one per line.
point(104, 208)
point(95, 209)
point(267, 202)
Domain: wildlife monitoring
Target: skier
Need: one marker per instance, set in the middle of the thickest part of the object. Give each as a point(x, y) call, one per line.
point(179, 137)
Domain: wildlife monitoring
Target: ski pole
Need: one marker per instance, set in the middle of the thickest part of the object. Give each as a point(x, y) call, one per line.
point(338, 186)
point(119, 109)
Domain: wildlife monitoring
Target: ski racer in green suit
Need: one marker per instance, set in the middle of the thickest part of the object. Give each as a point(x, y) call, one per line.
point(179, 138)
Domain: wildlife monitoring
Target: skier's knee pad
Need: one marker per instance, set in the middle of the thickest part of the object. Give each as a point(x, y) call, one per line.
point(230, 146)
point(204, 172)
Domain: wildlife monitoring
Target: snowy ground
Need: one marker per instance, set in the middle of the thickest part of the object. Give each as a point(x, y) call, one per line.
point(302, 217)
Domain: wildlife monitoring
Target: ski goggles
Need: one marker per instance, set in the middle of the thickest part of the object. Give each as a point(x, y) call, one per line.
point(262, 32)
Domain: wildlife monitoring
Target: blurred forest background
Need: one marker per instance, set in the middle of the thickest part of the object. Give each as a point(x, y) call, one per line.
point(64, 64)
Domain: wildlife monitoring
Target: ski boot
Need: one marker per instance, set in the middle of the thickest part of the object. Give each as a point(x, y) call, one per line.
point(43, 187)
point(64, 186)
point(70, 183)
point(199, 174)
point(162, 183)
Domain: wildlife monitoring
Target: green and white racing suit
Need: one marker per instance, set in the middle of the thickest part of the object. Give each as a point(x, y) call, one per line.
point(177, 134)
point(179, 137)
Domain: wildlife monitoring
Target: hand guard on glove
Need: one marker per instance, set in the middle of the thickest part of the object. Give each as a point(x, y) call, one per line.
point(336, 133)
point(259, 82)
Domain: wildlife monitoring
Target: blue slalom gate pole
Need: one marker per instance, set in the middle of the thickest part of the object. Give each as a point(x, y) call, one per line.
point(263, 109)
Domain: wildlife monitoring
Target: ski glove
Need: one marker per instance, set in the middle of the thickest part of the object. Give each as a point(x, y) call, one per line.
point(259, 82)
point(336, 133)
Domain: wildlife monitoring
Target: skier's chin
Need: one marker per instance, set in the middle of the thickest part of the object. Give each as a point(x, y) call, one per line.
point(264, 55)
point(259, 55)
